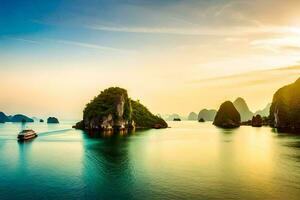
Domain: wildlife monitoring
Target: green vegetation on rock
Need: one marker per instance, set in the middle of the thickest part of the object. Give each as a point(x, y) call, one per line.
point(143, 118)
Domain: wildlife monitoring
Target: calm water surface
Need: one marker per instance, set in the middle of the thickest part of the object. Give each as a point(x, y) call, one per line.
point(191, 160)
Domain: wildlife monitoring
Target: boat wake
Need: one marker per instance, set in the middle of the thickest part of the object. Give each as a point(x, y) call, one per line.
point(53, 132)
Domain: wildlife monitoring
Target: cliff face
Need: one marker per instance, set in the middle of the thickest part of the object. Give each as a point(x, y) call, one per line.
point(227, 116)
point(285, 108)
point(242, 107)
point(113, 110)
point(207, 115)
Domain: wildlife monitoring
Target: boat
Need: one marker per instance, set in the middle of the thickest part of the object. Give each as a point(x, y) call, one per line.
point(27, 134)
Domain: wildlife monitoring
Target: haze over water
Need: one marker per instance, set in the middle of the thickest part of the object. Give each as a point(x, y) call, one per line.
point(191, 160)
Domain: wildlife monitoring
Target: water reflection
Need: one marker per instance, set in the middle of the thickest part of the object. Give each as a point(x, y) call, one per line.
point(107, 166)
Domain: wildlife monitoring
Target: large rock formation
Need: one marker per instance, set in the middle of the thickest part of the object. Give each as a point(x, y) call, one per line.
point(227, 116)
point(242, 107)
point(264, 112)
point(285, 108)
point(112, 110)
point(193, 116)
point(20, 118)
point(52, 120)
point(207, 115)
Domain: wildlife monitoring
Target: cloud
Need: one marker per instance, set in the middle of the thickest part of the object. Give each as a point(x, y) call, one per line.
point(213, 31)
point(278, 44)
point(87, 45)
point(250, 74)
point(73, 43)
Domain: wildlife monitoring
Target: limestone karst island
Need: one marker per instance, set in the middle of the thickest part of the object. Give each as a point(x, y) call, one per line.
point(113, 111)
point(150, 99)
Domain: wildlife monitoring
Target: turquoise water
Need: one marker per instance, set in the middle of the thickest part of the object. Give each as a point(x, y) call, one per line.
point(191, 160)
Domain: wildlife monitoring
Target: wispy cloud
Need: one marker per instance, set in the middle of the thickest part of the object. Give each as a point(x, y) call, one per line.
point(278, 44)
point(87, 45)
point(72, 43)
point(214, 31)
point(295, 69)
point(23, 40)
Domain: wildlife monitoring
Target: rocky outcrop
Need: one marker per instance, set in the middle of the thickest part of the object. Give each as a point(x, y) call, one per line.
point(242, 107)
point(257, 121)
point(227, 116)
point(193, 116)
point(52, 120)
point(112, 110)
point(285, 108)
point(207, 115)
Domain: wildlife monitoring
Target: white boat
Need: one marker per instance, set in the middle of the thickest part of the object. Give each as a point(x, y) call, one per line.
point(27, 134)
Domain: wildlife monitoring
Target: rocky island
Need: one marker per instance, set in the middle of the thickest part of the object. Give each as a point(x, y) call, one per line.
point(113, 111)
point(227, 116)
point(285, 108)
point(207, 115)
point(242, 107)
point(52, 120)
point(192, 116)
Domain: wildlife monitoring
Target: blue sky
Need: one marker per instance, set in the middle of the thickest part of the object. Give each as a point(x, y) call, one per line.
point(165, 49)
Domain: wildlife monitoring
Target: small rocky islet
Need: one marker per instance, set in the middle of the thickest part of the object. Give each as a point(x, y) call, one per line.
point(113, 111)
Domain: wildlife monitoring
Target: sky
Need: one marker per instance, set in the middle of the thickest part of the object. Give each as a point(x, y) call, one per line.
point(175, 56)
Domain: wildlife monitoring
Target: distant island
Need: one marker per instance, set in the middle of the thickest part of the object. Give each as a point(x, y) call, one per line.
point(113, 111)
point(192, 116)
point(173, 116)
point(207, 115)
point(242, 107)
point(20, 118)
point(15, 118)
